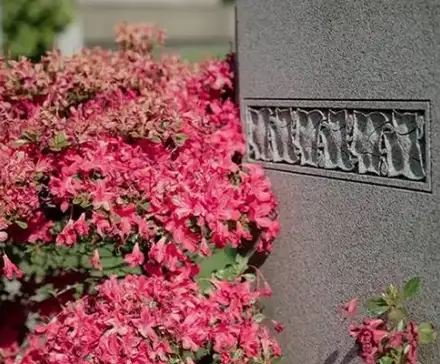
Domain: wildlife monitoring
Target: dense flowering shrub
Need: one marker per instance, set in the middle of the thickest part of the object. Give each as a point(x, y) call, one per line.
point(389, 337)
point(129, 147)
point(156, 320)
point(119, 162)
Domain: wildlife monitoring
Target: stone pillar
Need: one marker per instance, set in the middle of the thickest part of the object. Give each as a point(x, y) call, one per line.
point(340, 100)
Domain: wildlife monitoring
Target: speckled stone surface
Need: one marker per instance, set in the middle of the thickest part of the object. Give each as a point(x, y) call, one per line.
point(345, 237)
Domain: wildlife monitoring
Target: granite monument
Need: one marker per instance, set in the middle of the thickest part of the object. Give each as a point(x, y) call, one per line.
point(340, 101)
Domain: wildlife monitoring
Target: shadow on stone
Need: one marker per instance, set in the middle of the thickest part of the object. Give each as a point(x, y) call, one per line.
point(248, 247)
point(351, 355)
point(332, 357)
point(347, 359)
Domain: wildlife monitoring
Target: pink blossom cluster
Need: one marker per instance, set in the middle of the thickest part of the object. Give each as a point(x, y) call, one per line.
point(119, 144)
point(382, 338)
point(155, 320)
point(145, 153)
point(375, 340)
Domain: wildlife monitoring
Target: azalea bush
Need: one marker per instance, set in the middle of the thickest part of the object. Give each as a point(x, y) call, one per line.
point(154, 320)
point(390, 336)
point(123, 190)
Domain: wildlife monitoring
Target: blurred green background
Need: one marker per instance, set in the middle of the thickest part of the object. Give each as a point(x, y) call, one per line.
point(201, 52)
point(30, 26)
point(198, 29)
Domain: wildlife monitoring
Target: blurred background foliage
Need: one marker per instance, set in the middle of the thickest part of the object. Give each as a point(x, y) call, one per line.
point(200, 53)
point(30, 26)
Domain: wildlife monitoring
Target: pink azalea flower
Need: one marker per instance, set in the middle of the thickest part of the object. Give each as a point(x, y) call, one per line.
point(136, 257)
point(95, 260)
point(350, 307)
point(369, 336)
point(81, 226)
point(277, 326)
point(412, 336)
point(9, 268)
point(3, 236)
point(67, 236)
point(396, 340)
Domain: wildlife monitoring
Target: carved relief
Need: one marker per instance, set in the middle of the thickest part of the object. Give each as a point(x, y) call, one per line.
point(386, 143)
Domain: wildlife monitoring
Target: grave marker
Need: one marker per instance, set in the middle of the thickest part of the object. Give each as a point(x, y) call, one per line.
point(340, 101)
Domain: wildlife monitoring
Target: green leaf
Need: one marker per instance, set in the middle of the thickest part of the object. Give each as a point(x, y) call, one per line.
point(21, 224)
point(427, 333)
point(145, 206)
point(187, 354)
point(377, 305)
point(79, 290)
point(205, 286)
point(155, 139)
point(249, 277)
point(220, 259)
point(59, 142)
point(242, 263)
point(385, 360)
point(259, 317)
point(31, 136)
point(393, 296)
point(61, 138)
point(400, 325)
point(19, 142)
point(221, 274)
point(85, 204)
point(411, 288)
point(397, 314)
point(200, 353)
point(218, 263)
point(237, 354)
point(277, 360)
point(180, 139)
point(43, 293)
point(230, 251)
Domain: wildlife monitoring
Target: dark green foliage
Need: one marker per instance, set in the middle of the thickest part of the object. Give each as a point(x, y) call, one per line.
point(30, 26)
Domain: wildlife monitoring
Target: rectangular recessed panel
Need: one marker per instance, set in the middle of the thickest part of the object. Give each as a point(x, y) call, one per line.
point(378, 142)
